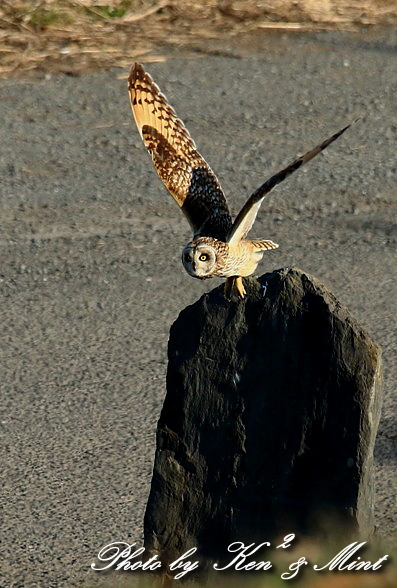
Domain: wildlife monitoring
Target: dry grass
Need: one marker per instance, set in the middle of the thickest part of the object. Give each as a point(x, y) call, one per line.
point(76, 35)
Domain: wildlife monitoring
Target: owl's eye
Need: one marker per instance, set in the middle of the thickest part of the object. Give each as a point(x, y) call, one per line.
point(204, 257)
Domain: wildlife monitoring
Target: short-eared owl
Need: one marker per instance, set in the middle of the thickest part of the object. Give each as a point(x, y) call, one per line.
point(219, 246)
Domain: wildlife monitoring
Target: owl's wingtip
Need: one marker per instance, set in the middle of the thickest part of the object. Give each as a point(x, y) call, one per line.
point(355, 121)
point(136, 73)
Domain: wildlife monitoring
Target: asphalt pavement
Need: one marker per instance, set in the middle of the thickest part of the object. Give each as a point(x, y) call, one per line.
point(91, 278)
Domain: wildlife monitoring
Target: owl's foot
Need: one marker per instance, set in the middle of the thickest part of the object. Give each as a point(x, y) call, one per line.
point(234, 285)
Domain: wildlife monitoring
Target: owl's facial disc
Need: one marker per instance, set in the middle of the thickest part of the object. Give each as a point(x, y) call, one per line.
point(199, 260)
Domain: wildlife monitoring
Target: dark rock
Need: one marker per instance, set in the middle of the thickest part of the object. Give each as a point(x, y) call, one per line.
point(269, 421)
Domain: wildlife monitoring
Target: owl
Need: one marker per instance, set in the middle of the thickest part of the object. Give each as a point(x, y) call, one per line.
point(219, 246)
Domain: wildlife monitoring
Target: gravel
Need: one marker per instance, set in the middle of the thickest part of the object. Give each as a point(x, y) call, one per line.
point(91, 279)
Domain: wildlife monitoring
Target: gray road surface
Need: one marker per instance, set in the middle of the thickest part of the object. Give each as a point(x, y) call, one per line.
point(91, 278)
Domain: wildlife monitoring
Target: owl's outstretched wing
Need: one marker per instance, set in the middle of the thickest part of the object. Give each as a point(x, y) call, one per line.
point(185, 174)
point(246, 217)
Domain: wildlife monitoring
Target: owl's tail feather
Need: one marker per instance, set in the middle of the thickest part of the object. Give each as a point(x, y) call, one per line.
point(262, 245)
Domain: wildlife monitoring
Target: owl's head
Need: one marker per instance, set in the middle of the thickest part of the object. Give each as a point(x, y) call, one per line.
point(203, 257)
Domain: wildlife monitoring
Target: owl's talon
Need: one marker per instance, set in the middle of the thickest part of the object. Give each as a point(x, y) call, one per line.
point(234, 285)
point(239, 287)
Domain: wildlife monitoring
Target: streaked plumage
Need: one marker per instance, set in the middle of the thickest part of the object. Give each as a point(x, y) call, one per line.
point(219, 247)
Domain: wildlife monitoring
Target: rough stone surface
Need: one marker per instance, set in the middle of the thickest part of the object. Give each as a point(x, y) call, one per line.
point(269, 421)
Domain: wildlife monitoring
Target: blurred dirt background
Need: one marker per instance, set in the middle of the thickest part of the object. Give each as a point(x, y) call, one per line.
point(90, 243)
point(76, 35)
